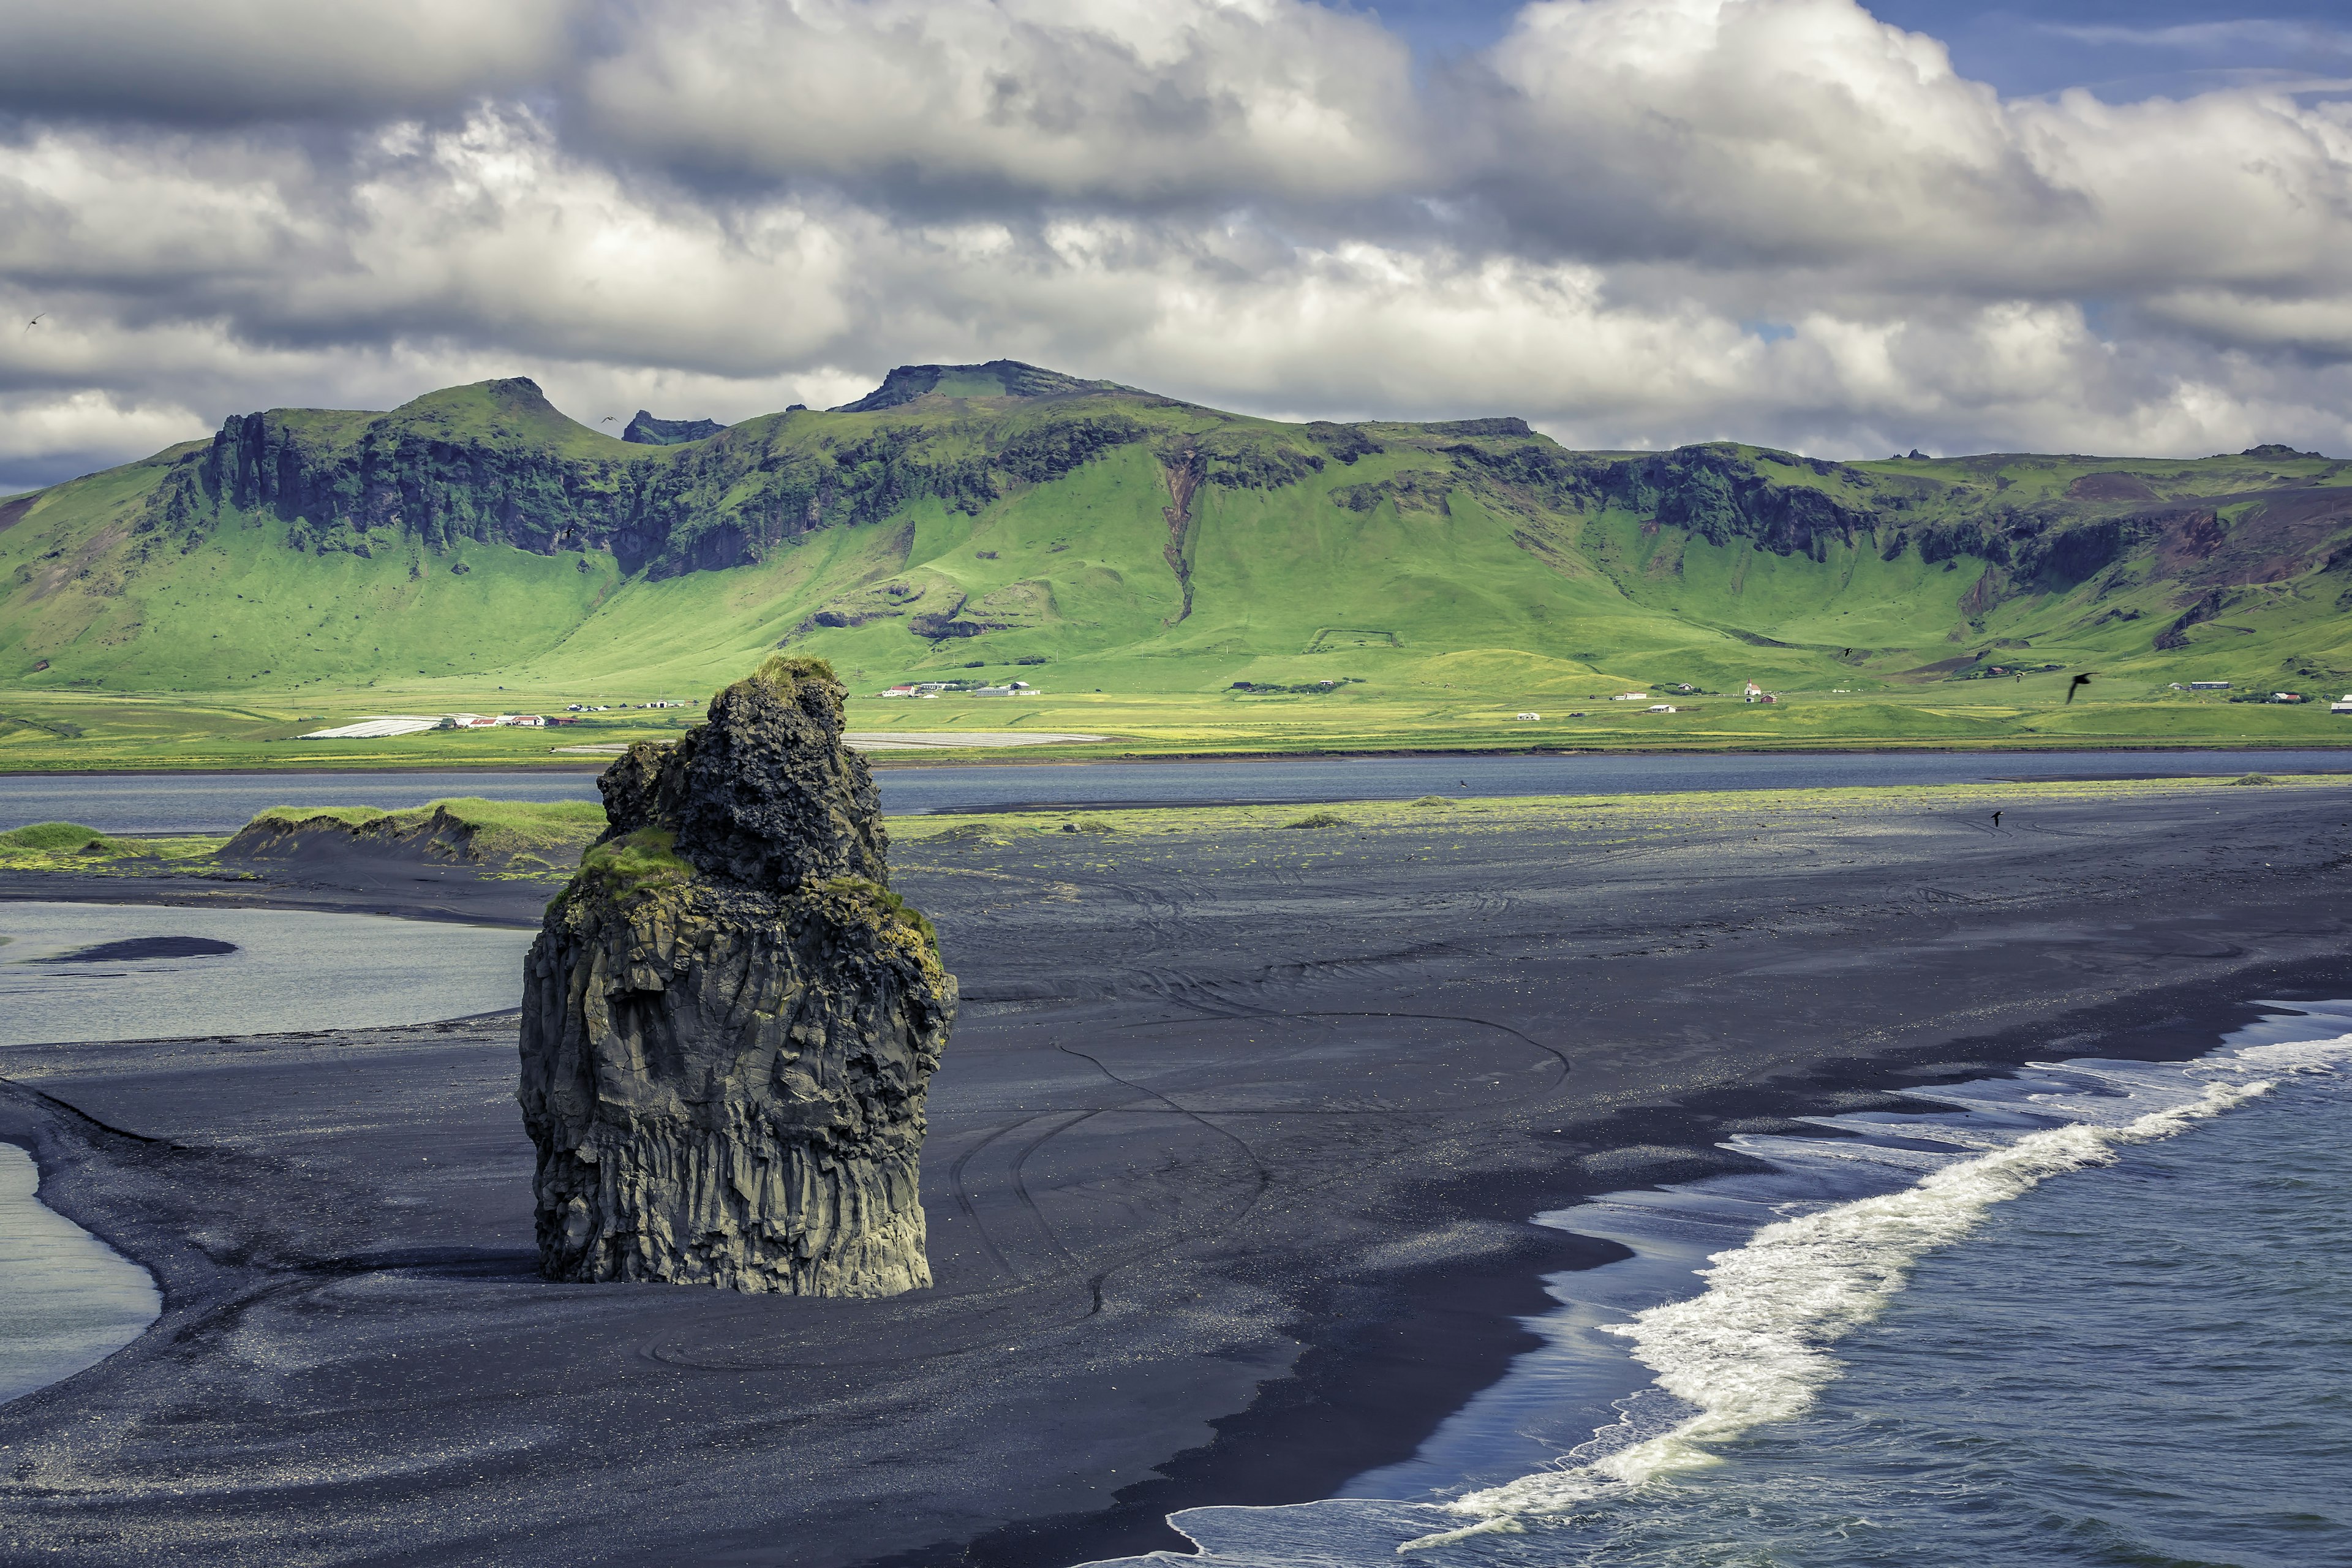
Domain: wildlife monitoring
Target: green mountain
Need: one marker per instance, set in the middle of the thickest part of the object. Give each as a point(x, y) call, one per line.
point(998, 513)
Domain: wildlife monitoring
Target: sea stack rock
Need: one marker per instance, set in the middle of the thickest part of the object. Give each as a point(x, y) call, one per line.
point(728, 1020)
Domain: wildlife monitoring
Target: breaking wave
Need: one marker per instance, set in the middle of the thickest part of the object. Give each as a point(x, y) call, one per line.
point(1758, 1343)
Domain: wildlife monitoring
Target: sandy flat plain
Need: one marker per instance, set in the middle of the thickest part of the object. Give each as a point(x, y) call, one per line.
point(1228, 1176)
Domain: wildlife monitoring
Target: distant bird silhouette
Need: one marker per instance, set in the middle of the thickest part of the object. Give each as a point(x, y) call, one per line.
point(607, 420)
point(2079, 682)
point(1996, 819)
point(35, 321)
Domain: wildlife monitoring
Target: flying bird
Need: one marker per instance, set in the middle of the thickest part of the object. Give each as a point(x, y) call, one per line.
point(2079, 682)
point(607, 420)
point(35, 321)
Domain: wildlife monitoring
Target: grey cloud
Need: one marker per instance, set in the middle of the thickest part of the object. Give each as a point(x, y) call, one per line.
point(175, 61)
point(1635, 221)
point(1063, 99)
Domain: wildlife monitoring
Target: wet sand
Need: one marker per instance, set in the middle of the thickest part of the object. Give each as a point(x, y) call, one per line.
point(1228, 1179)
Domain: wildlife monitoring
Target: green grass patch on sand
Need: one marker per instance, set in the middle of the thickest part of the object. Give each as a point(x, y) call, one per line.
point(525, 838)
point(69, 847)
point(296, 818)
point(542, 839)
point(501, 823)
point(1146, 830)
point(60, 838)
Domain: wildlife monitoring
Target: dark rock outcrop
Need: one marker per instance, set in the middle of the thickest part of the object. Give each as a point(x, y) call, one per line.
point(997, 378)
point(730, 1022)
point(645, 430)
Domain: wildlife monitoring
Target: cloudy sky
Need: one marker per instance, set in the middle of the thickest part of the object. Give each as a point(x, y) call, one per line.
point(2073, 224)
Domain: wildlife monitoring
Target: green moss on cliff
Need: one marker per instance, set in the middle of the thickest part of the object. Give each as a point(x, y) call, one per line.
point(888, 908)
point(630, 867)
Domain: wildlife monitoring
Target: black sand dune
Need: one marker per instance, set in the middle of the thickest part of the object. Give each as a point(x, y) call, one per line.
point(1227, 1181)
point(425, 870)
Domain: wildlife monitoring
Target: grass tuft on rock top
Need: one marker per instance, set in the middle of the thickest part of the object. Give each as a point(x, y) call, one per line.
point(1321, 819)
point(779, 669)
point(631, 866)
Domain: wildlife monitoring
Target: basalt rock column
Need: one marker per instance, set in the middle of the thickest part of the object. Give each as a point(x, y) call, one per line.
point(729, 1021)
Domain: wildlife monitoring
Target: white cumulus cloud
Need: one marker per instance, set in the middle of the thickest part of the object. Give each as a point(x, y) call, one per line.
point(1631, 221)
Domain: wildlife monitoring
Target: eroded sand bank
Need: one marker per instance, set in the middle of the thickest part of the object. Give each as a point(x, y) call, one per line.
point(1227, 1179)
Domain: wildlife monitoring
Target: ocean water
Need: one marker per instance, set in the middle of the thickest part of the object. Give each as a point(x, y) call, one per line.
point(2098, 1313)
point(62, 978)
point(68, 1300)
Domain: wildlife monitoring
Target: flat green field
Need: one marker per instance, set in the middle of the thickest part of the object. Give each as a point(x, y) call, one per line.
point(47, 731)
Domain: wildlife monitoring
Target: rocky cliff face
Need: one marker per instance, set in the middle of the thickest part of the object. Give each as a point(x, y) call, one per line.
point(729, 1021)
point(645, 430)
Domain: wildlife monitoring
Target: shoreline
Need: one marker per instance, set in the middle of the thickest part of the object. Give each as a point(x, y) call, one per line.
point(1341, 1416)
point(1369, 1396)
point(1230, 1177)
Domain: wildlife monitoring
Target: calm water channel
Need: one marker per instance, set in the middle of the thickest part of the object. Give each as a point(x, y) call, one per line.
point(201, 803)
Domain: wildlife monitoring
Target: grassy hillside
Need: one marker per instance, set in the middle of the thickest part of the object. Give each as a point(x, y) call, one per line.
point(1175, 577)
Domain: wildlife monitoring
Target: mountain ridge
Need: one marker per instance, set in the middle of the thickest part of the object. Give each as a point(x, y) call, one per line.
point(1006, 507)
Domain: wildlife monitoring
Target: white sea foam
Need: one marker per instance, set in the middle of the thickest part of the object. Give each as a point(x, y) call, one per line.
point(1756, 1345)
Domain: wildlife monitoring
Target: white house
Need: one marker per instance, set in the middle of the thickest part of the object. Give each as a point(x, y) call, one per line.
point(2343, 706)
point(1529, 718)
point(1631, 697)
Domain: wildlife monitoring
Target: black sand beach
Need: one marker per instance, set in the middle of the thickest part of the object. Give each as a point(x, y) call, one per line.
point(1228, 1178)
